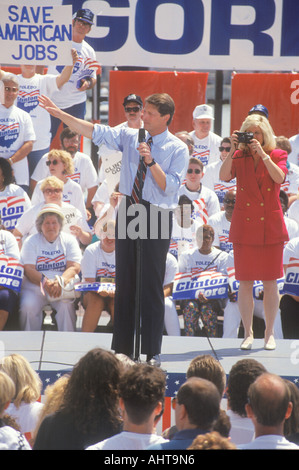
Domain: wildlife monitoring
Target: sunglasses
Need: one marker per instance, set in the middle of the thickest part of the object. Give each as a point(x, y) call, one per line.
point(134, 109)
point(224, 149)
point(13, 89)
point(190, 171)
point(54, 162)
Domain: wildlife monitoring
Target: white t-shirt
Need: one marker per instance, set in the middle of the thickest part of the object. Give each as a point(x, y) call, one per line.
point(183, 239)
point(212, 181)
point(16, 129)
point(29, 91)
point(270, 442)
point(293, 157)
point(292, 227)
point(8, 245)
point(10, 439)
point(221, 228)
point(291, 250)
point(293, 211)
point(14, 201)
point(97, 263)
point(171, 269)
point(84, 171)
point(68, 95)
point(72, 194)
point(206, 149)
point(291, 182)
point(128, 441)
point(194, 259)
point(26, 223)
point(207, 202)
point(50, 258)
point(26, 416)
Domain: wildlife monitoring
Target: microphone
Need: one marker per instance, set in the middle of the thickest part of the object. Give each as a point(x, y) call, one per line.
point(141, 135)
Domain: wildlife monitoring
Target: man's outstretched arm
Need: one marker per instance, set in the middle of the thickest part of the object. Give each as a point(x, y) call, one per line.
point(84, 128)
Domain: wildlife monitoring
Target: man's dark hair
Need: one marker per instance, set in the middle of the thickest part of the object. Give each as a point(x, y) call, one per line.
point(142, 387)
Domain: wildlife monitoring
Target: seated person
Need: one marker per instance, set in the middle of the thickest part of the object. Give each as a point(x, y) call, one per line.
point(98, 264)
point(205, 257)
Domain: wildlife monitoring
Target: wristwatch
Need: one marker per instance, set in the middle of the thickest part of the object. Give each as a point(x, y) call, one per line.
point(153, 162)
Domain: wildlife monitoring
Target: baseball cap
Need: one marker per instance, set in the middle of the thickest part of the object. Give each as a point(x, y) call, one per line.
point(260, 108)
point(51, 208)
point(84, 14)
point(132, 97)
point(203, 111)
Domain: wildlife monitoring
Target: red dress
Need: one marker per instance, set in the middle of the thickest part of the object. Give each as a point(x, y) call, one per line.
point(258, 231)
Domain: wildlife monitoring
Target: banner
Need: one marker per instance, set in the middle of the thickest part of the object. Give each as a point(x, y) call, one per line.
point(11, 273)
point(186, 89)
point(97, 287)
point(11, 209)
point(279, 92)
point(291, 285)
point(195, 34)
point(211, 284)
point(35, 33)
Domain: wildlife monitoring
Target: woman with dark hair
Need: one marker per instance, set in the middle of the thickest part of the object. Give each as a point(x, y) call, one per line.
point(14, 200)
point(89, 412)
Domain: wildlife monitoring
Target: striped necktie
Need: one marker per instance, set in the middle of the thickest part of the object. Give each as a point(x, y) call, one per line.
point(139, 178)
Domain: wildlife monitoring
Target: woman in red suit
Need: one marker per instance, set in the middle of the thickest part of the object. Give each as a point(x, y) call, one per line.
point(257, 229)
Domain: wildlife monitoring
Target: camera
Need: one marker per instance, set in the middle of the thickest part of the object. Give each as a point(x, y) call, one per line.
point(244, 137)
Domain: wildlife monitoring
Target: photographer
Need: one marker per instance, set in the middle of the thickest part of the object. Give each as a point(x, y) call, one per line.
point(257, 228)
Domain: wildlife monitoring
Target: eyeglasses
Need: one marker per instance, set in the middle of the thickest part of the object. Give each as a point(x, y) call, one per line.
point(134, 109)
point(229, 201)
point(190, 171)
point(13, 89)
point(224, 149)
point(54, 162)
point(52, 191)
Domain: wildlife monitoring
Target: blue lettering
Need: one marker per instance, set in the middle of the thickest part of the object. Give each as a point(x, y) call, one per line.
point(222, 31)
point(193, 27)
point(118, 29)
point(289, 29)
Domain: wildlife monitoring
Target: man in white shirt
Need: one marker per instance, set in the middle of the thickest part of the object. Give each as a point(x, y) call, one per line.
point(72, 96)
point(269, 405)
point(206, 142)
point(17, 132)
point(141, 391)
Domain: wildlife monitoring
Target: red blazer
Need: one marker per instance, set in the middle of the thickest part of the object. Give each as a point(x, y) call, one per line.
point(257, 217)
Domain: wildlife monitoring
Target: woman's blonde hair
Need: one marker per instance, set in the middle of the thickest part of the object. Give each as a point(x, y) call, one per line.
point(66, 159)
point(52, 182)
point(253, 120)
point(27, 383)
point(7, 390)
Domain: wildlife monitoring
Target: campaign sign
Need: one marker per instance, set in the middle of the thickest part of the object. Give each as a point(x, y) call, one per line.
point(11, 273)
point(11, 209)
point(211, 284)
point(33, 33)
point(97, 287)
point(291, 284)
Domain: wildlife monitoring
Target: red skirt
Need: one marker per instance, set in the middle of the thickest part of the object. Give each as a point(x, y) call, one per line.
point(258, 262)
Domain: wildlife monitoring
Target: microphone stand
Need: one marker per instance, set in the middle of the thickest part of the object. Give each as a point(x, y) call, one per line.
point(141, 138)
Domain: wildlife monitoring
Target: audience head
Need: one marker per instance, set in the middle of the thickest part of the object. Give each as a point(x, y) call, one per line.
point(142, 391)
point(207, 367)
point(269, 401)
point(28, 385)
point(241, 376)
point(7, 391)
point(197, 404)
point(6, 173)
point(212, 441)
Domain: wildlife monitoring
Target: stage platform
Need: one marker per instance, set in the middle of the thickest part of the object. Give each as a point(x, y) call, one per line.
point(50, 351)
point(53, 354)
